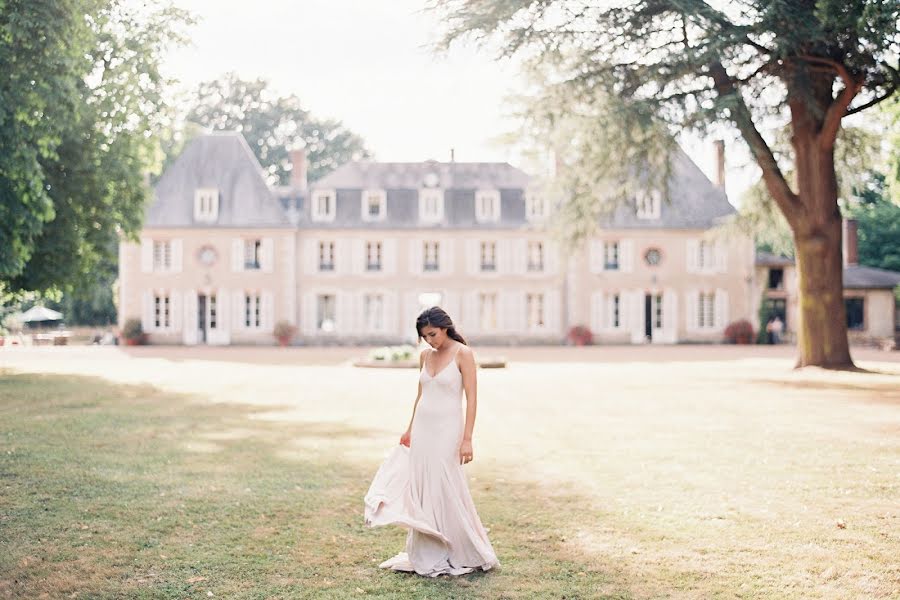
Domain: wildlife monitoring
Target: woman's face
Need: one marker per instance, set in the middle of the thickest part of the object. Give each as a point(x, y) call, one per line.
point(435, 336)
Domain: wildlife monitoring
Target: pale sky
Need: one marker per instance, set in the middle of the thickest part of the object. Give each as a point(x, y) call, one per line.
point(368, 63)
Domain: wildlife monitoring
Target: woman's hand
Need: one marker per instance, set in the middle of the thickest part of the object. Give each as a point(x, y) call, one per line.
point(404, 439)
point(465, 452)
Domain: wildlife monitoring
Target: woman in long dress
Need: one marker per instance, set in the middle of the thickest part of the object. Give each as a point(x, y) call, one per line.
point(421, 484)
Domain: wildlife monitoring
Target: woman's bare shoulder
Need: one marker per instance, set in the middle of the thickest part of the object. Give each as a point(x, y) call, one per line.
point(465, 352)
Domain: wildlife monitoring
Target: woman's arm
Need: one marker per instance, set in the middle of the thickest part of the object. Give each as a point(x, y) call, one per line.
point(470, 384)
point(404, 439)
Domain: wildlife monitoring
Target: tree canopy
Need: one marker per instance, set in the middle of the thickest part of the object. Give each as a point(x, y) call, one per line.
point(272, 125)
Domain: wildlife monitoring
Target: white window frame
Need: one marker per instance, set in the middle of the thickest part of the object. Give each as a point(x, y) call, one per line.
point(535, 206)
point(615, 310)
point(162, 311)
point(426, 197)
point(374, 322)
point(435, 265)
point(315, 205)
point(255, 254)
point(614, 248)
point(320, 317)
point(482, 253)
point(535, 306)
point(331, 247)
point(706, 255)
point(706, 310)
point(648, 204)
point(162, 255)
point(540, 265)
point(206, 205)
point(487, 319)
point(487, 206)
point(378, 265)
point(381, 197)
point(251, 313)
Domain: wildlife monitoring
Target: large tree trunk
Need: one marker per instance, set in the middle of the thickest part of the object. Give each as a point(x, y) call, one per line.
point(822, 331)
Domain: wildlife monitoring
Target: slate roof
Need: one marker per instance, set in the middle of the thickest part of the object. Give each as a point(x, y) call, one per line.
point(767, 259)
point(223, 161)
point(860, 277)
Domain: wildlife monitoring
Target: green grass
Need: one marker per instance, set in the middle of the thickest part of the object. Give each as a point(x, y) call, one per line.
point(106, 493)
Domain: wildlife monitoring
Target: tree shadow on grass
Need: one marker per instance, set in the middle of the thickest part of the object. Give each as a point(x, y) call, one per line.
point(113, 491)
point(881, 393)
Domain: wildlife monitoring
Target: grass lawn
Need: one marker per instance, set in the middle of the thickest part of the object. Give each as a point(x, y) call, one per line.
point(758, 483)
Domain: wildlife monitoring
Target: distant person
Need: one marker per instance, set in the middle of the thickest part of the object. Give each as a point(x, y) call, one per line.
point(421, 485)
point(770, 333)
point(777, 329)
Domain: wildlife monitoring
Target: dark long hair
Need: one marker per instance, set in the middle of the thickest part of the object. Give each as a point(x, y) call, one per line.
point(438, 317)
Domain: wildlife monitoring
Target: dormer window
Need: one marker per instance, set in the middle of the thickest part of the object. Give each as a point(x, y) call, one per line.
point(487, 205)
point(206, 205)
point(648, 204)
point(374, 205)
point(431, 205)
point(324, 205)
point(535, 206)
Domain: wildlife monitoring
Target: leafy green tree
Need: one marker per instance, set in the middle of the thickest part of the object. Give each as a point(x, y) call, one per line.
point(747, 63)
point(87, 132)
point(273, 125)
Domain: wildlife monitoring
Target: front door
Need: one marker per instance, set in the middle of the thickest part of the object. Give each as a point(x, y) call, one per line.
point(201, 318)
point(653, 316)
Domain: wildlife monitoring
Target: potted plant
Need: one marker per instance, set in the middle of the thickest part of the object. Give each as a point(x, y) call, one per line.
point(284, 331)
point(580, 336)
point(739, 332)
point(133, 333)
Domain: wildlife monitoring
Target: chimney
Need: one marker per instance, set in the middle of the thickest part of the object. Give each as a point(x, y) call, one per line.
point(719, 145)
point(298, 169)
point(851, 255)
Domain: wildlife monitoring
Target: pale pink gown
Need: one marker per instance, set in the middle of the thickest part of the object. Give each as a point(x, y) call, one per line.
point(424, 489)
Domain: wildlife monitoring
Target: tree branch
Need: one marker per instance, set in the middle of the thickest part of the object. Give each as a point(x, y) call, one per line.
point(871, 103)
point(774, 179)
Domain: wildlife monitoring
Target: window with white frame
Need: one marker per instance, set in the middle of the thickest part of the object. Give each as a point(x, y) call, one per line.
point(326, 256)
point(374, 205)
point(206, 205)
point(252, 310)
point(534, 305)
point(535, 256)
point(431, 204)
point(162, 310)
point(326, 306)
point(706, 310)
point(610, 256)
point(487, 205)
point(373, 256)
point(373, 312)
point(431, 256)
point(648, 204)
point(615, 310)
point(324, 205)
point(706, 255)
point(162, 255)
point(656, 316)
point(535, 206)
point(487, 311)
point(252, 252)
point(212, 311)
point(488, 256)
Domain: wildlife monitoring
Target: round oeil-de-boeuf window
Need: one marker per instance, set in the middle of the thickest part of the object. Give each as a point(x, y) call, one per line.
point(653, 257)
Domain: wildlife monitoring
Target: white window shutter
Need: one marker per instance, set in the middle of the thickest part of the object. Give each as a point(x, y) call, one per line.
point(267, 255)
point(721, 308)
point(147, 312)
point(520, 256)
point(597, 312)
point(267, 316)
point(308, 317)
point(391, 310)
point(637, 315)
point(626, 256)
point(311, 256)
point(552, 307)
point(446, 255)
point(670, 314)
point(238, 311)
point(237, 255)
point(552, 257)
point(451, 305)
point(343, 256)
point(693, 254)
point(609, 311)
point(473, 256)
point(721, 256)
point(146, 255)
point(175, 310)
point(223, 313)
point(692, 305)
point(177, 255)
point(416, 256)
point(504, 257)
point(596, 256)
point(470, 319)
point(189, 335)
point(410, 312)
point(357, 257)
point(389, 256)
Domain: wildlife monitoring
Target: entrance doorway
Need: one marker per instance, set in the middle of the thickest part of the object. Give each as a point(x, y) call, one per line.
point(653, 317)
point(207, 318)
